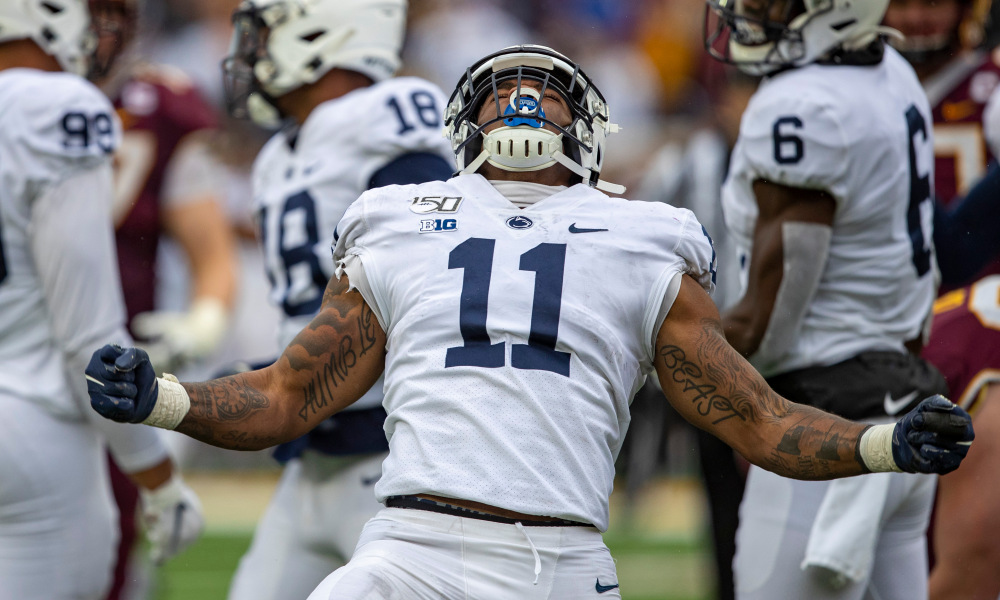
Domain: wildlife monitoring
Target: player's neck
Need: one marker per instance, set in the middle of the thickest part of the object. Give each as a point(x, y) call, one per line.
point(300, 103)
point(928, 69)
point(26, 54)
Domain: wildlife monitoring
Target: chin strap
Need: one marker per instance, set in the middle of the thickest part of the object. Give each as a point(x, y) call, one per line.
point(604, 186)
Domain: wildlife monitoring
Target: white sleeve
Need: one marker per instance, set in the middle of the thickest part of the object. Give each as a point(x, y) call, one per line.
point(193, 173)
point(72, 243)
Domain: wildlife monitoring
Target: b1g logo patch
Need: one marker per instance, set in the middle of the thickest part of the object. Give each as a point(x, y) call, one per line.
point(436, 204)
point(436, 225)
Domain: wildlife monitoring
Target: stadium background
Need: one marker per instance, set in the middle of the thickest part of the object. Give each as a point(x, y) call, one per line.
point(646, 56)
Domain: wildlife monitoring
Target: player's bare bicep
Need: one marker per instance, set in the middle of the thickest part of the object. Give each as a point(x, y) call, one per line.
point(701, 374)
point(339, 355)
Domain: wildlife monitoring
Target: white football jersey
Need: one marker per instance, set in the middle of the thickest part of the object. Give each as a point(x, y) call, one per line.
point(862, 134)
point(304, 180)
point(516, 339)
point(52, 126)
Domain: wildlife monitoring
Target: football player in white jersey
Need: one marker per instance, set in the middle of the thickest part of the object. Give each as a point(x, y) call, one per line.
point(327, 68)
point(59, 298)
point(515, 310)
point(829, 200)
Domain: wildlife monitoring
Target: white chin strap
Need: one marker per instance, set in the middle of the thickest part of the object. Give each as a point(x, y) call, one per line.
point(521, 149)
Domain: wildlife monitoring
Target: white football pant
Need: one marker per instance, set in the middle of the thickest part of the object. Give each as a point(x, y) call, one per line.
point(407, 554)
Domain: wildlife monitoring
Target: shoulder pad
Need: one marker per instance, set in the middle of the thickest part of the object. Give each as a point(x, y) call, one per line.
point(61, 116)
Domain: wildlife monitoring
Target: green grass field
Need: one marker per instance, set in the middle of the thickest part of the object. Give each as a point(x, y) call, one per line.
point(657, 541)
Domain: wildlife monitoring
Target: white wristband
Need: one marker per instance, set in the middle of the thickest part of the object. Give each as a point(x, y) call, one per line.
point(172, 403)
point(875, 448)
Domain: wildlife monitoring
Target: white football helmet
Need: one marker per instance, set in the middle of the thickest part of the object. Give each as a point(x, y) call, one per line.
point(763, 36)
point(59, 27)
point(280, 45)
point(521, 143)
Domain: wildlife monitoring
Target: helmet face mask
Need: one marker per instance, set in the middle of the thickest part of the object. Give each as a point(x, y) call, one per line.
point(281, 45)
point(517, 135)
point(114, 23)
point(764, 36)
point(61, 28)
point(936, 31)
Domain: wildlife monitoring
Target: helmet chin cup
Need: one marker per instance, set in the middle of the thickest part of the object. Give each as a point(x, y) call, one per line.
point(522, 148)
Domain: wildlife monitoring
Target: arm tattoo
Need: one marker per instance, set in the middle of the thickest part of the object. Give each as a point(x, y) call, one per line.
point(234, 413)
point(721, 386)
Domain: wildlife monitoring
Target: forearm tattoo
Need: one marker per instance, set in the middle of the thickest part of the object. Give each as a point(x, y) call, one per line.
point(721, 387)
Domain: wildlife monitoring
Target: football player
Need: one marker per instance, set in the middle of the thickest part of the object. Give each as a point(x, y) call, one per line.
point(965, 346)
point(166, 184)
point(59, 298)
point(829, 200)
point(515, 310)
point(325, 69)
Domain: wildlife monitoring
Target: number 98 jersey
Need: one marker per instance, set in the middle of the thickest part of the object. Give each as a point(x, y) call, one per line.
point(52, 126)
point(516, 338)
point(863, 135)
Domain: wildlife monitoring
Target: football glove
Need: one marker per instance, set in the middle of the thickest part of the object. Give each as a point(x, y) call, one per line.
point(934, 437)
point(173, 519)
point(121, 384)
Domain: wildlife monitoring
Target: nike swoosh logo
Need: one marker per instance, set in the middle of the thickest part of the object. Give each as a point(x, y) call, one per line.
point(894, 406)
point(604, 588)
point(574, 229)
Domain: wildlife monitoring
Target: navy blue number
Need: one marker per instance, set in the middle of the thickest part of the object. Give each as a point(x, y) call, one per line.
point(920, 192)
point(82, 130)
point(475, 257)
point(788, 148)
point(297, 301)
point(548, 262)
point(425, 107)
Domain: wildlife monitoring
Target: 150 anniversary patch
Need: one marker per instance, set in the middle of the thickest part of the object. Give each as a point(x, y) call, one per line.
point(436, 204)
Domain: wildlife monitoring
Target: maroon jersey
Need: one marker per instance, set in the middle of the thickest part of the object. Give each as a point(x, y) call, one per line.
point(958, 95)
point(159, 108)
point(965, 340)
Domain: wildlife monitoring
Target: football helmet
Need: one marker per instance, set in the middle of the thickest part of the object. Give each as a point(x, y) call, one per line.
point(281, 45)
point(922, 47)
point(60, 27)
point(521, 143)
point(115, 23)
point(763, 36)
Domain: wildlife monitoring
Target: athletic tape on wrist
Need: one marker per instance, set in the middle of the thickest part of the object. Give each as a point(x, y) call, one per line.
point(876, 449)
point(172, 403)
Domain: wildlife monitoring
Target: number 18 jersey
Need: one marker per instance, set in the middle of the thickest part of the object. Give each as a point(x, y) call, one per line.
point(516, 338)
point(863, 135)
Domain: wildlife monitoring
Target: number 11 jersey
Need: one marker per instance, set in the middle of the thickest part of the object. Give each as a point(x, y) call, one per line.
point(516, 338)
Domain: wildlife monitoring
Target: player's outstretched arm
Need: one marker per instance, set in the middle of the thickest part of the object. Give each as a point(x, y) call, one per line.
point(715, 388)
point(329, 365)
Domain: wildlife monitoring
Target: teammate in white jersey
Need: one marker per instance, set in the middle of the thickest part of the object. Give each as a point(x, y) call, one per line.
point(829, 200)
point(59, 298)
point(515, 310)
point(352, 127)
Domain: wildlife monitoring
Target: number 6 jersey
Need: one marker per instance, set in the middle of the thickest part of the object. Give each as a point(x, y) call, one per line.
point(812, 128)
point(516, 338)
